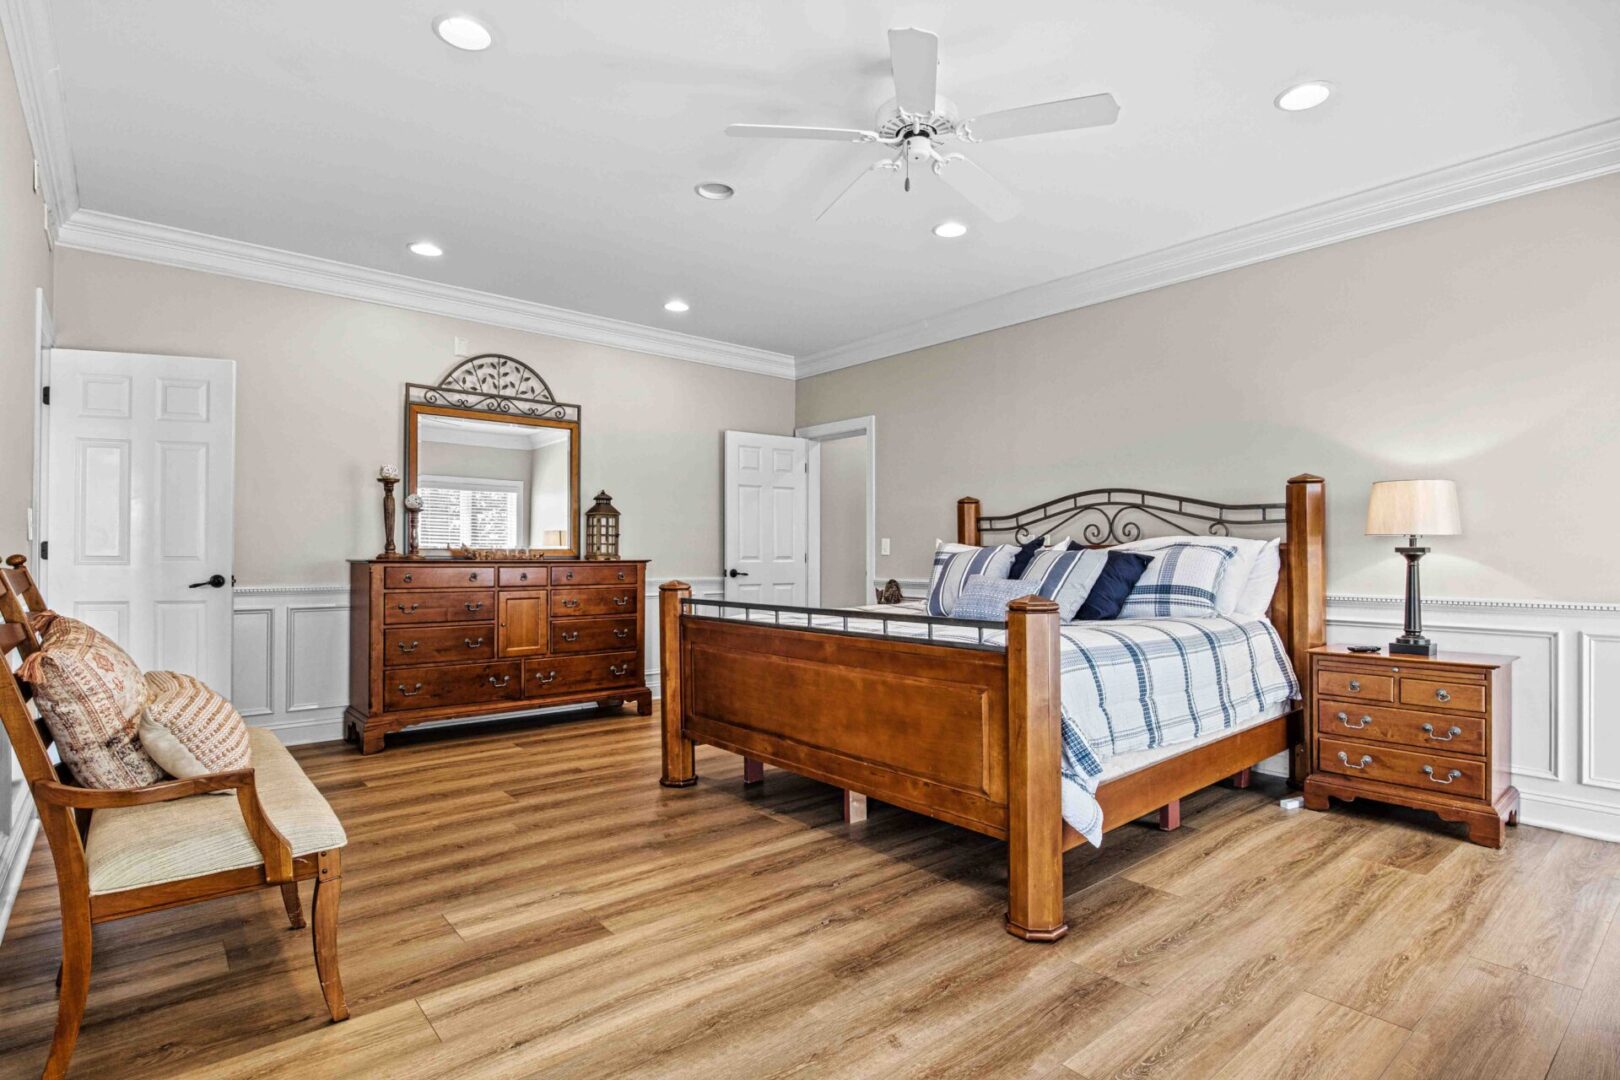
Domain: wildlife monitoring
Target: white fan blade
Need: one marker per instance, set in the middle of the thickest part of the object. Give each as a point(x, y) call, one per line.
point(914, 62)
point(1095, 110)
point(881, 166)
point(978, 187)
point(786, 131)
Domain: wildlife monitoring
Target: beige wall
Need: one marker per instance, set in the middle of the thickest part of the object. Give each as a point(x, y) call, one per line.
point(843, 523)
point(25, 265)
point(319, 389)
point(1483, 346)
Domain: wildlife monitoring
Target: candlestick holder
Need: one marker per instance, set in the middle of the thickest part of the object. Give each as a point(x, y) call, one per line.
point(413, 510)
point(389, 551)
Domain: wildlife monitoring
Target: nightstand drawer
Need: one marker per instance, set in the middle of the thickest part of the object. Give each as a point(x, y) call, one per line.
point(1355, 684)
point(1440, 693)
point(1453, 734)
point(1455, 776)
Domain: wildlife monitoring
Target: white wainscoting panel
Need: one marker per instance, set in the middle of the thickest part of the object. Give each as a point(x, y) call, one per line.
point(291, 660)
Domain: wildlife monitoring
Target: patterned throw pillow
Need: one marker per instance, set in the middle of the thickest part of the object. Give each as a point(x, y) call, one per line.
point(1182, 581)
point(986, 599)
point(1066, 576)
point(190, 730)
point(953, 568)
point(90, 694)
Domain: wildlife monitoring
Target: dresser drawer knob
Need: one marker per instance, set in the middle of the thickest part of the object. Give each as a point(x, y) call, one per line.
point(412, 692)
point(473, 577)
point(408, 579)
point(407, 610)
point(408, 648)
point(472, 643)
point(523, 576)
point(570, 603)
point(570, 635)
point(1355, 684)
point(621, 575)
point(547, 677)
point(502, 681)
point(618, 669)
point(622, 632)
point(1451, 733)
point(1442, 694)
point(569, 576)
point(1366, 760)
point(474, 606)
point(1344, 718)
point(1428, 770)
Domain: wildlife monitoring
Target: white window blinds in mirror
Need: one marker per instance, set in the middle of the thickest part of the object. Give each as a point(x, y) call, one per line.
point(476, 513)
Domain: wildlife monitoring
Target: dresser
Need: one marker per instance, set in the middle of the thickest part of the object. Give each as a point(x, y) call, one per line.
point(443, 640)
point(1432, 733)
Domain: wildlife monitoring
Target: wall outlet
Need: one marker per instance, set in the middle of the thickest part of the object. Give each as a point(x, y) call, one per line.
point(463, 350)
point(883, 546)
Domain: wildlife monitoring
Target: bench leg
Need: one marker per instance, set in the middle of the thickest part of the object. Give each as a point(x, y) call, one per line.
point(1170, 816)
point(289, 899)
point(753, 771)
point(324, 912)
point(73, 989)
point(854, 807)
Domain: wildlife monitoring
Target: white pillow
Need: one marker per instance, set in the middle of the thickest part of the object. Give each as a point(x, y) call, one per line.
point(1262, 583)
point(1229, 597)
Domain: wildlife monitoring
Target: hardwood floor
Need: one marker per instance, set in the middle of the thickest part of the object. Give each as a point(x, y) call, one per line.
point(525, 900)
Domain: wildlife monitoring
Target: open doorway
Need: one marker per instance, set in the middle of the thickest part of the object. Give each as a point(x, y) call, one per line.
point(843, 511)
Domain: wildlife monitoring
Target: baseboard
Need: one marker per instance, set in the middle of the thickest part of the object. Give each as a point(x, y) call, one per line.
point(1579, 816)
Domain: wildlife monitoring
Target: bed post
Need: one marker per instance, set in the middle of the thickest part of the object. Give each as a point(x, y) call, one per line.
point(1307, 597)
point(679, 768)
point(967, 521)
point(1034, 762)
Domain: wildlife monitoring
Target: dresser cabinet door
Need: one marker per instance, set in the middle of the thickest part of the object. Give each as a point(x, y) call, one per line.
point(523, 623)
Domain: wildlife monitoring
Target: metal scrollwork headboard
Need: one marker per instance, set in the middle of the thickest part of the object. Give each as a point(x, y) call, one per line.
point(496, 384)
point(1104, 516)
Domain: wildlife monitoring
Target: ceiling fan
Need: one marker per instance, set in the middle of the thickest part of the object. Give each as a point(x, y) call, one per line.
point(918, 121)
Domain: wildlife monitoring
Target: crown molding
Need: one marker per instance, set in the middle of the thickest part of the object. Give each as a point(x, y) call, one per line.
point(27, 27)
point(109, 234)
point(1563, 159)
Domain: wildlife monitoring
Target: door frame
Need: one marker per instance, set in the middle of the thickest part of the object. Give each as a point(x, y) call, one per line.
point(832, 431)
point(44, 341)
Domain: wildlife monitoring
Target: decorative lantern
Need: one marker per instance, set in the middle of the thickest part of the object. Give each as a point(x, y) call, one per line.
point(602, 529)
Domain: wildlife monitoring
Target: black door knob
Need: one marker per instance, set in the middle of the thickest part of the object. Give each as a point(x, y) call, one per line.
point(739, 573)
point(217, 581)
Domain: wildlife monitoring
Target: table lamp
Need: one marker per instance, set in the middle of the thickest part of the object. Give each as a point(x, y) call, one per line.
point(1413, 508)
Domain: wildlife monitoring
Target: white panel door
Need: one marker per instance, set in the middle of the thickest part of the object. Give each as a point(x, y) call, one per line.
point(140, 508)
point(767, 529)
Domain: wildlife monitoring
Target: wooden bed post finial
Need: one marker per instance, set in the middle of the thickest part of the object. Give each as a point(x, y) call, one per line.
point(1034, 766)
point(967, 520)
point(680, 768)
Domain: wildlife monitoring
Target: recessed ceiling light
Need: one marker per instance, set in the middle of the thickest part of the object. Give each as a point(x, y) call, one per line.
point(677, 306)
point(427, 248)
point(715, 190)
point(950, 230)
point(463, 32)
point(1304, 96)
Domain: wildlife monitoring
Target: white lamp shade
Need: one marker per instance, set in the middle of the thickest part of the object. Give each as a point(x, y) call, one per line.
point(1413, 508)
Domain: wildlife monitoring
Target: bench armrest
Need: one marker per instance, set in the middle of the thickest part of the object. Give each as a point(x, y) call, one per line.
point(277, 852)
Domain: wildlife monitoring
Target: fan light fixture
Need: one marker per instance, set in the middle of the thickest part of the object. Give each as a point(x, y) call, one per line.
point(1304, 96)
point(463, 32)
point(427, 249)
point(677, 306)
point(715, 190)
point(950, 230)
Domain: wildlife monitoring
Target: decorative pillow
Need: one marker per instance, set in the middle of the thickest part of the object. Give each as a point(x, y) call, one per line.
point(1066, 576)
point(90, 694)
point(1229, 600)
point(952, 568)
point(1182, 582)
point(1255, 599)
point(1108, 594)
point(1022, 556)
point(986, 599)
point(189, 729)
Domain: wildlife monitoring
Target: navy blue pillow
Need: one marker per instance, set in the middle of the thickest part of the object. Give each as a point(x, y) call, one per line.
point(1025, 553)
point(1119, 576)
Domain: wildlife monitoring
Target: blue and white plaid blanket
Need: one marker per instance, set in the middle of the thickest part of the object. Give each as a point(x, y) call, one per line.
point(1132, 684)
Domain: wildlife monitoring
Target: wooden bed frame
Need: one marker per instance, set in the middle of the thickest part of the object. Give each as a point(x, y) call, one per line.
point(963, 733)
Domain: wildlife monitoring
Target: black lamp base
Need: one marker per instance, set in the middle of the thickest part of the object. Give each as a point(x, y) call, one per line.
point(1421, 647)
point(1412, 642)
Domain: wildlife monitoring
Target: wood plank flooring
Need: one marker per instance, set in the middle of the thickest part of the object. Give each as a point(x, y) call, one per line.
point(524, 900)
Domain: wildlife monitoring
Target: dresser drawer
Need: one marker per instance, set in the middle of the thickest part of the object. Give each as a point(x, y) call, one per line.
point(609, 574)
point(1459, 695)
point(593, 635)
point(566, 602)
point(438, 577)
point(523, 577)
point(557, 674)
point(1369, 761)
point(438, 606)
point(435, 644)
point(452, 684)
point(1355, 684)
point(1455, 735)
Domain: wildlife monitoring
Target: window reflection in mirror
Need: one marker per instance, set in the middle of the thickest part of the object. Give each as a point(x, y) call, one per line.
point(485, 483)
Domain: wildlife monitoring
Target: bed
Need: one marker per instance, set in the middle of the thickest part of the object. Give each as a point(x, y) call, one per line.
point(966, 721)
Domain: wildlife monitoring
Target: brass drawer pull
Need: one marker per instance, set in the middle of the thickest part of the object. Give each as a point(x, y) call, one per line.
point(1366, 760)
point(1428, 770)
point(570, 635)
point(503, 681)
point(1442, 694)
point(1344, 718)
point(1452, 733)
point(403, 610)
point(547, 677)
point(412, 692)
point(474, 606)
point(618, 669)
point(622, 632)
point(1355, 684)
point(570, 603)
point(621, 600)
point(471, 643)
point(408, 648)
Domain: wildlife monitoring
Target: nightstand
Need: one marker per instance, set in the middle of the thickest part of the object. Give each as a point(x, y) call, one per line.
point(1432, 733)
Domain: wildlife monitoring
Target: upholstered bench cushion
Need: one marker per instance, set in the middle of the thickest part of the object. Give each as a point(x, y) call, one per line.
point(148, 845)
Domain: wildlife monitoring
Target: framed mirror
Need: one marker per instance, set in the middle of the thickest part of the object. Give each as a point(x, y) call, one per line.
point(495, 460)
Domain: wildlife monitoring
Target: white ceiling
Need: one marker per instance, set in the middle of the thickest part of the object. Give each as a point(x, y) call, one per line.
point(558, 166)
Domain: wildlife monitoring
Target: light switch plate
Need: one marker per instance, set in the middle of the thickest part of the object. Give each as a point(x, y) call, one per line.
point(463, 350)
point(884, 546)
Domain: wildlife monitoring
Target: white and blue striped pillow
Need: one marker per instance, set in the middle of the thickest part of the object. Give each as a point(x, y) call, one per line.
point(986, 599)
point(1182, 581)
point(1065, 576)
point(953, 568)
